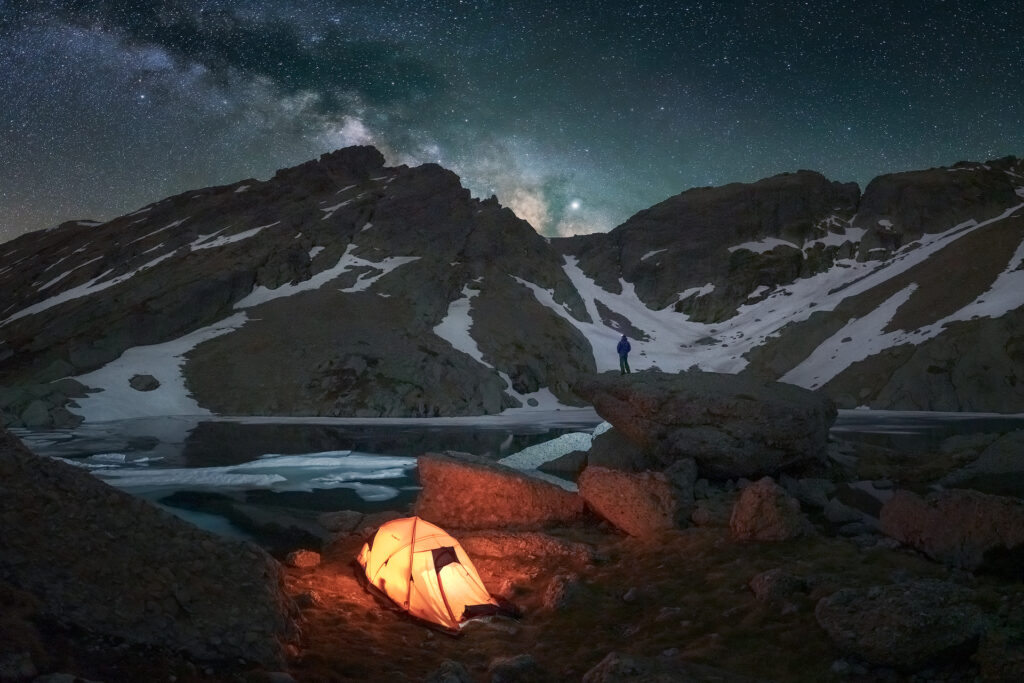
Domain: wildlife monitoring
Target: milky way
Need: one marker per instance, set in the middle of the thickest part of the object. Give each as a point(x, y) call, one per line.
point(575, 114)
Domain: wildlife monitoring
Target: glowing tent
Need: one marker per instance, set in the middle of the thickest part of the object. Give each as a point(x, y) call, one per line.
point(426, 572)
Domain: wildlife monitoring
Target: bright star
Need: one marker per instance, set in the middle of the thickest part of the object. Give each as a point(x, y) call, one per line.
point(574, 204)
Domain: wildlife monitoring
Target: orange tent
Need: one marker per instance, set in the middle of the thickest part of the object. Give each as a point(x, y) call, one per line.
point(426, 572)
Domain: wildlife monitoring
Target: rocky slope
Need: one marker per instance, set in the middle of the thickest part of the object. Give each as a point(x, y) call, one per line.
point(99, 560)
point(318, 292)
point(344, 287)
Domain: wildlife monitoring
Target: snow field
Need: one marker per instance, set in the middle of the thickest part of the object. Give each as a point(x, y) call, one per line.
point(117, 400)
point(348, 261)
point(673, 346)
point(455, 329)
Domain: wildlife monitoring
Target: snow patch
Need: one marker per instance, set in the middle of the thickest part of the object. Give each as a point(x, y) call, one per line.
point(534, 456)
point(348, 261)
point(855, 341)
point(66, 273)
point(853, 235)
point(241, 188)
point(833, 355)
point(204, 241)
point(697, 292)
point(116, 400)
point(97, 284)
point(651, 253)
point(762, 246)
point(172, 224)
point(314, 251)
point(758, 291)
point(331, 209)
point(456, 325)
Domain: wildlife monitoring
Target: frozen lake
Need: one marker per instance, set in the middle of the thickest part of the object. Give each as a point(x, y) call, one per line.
point(239, 476)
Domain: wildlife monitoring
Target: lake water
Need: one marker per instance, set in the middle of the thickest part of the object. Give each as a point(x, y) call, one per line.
point(246, 476)
point(268, 478)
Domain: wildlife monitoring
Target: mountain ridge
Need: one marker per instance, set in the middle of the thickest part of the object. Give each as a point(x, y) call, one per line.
point(342, 286)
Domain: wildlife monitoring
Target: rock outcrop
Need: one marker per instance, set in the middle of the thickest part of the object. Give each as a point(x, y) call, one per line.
point(321, 271)
point(958, 527)
point(765, 512)
point(905, 626)
point(642, 504)
point(344, 287)
point(696, 228)
point(998, 468)
point(463, 491)
point(733, 426)
point(115, 565)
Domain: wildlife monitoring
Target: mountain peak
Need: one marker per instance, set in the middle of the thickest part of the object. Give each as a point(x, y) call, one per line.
point(349, 164)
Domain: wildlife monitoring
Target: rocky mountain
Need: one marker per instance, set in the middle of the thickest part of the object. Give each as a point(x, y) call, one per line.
point(343, 287)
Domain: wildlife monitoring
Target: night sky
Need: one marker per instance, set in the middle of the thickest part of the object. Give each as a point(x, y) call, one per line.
point(576, 114)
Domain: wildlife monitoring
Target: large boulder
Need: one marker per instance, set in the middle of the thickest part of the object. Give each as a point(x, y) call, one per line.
point(116, 565)
point(471, 492)
point(613, 450)
point(958, 527)
point(765, 512)
point(641, 504)
point(906, 625)
point(733, 426)
point(997, 469)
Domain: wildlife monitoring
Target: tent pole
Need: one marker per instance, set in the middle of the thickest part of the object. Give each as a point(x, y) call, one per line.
point(412, 554)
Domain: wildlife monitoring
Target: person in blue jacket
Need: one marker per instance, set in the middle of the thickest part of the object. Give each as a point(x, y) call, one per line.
point(623, 348)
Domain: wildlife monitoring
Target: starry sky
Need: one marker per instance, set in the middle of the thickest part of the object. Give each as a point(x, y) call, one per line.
point(575, 114)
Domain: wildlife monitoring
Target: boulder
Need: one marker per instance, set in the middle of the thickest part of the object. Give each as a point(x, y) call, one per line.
point(520, 668)
point(777, 585)
point(641, 504)
point(115, 565)
point(765, 512)
point(813, 492)
point(997, 469)
point(303, 559)
point(144, 383)
point(472, 492)
point(733, 426)
point(450, 671)
point(563, 590)
point(958, 527)
point(714, 510)
point(614, 451)
point(905, 626)
point(36, 415)
point(342, 521)
point(572, 463)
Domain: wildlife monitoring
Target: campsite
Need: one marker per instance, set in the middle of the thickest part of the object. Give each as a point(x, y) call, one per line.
point(649, 567)
point(462, 341)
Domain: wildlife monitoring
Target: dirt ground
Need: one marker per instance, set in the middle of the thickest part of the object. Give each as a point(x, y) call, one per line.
point(685, 597)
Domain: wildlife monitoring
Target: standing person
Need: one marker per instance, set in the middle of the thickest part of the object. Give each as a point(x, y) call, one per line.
point(623, 348)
